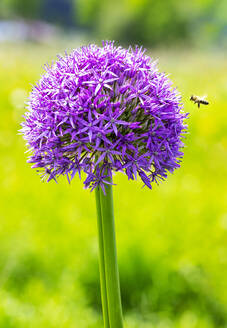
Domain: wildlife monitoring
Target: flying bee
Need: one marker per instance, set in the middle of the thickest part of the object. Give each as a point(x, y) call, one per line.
point(199, 100)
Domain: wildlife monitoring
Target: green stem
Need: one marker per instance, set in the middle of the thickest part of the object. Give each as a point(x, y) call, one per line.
point(110, 270)
point(101, 262)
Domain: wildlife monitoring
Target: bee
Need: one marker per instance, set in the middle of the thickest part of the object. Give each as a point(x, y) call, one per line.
point(199, 100)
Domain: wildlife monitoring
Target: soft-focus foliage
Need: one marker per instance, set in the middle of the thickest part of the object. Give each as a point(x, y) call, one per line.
point(171, 241)
point(146, 22)
point(151, 22)
point(24, 8)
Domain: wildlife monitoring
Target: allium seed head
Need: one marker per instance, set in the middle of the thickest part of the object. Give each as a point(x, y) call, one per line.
point(104, 109)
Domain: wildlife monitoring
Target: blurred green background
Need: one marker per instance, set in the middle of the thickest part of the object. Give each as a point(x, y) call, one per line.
point(172, 241)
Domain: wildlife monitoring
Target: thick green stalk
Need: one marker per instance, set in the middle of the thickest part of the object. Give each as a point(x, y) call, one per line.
point(101, 262)
point(110, 258)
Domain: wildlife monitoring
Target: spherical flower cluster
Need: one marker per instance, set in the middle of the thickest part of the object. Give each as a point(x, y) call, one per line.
point(104, 109)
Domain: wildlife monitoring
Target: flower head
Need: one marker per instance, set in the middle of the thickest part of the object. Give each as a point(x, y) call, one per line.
point(104, 109)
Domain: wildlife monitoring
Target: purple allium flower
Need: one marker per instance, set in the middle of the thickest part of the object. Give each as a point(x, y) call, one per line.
point(104, 109)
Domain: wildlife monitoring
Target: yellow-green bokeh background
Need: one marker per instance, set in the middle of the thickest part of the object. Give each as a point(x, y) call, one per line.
point(172, 241)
